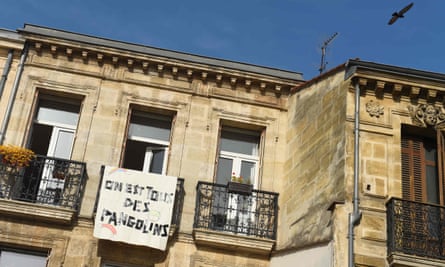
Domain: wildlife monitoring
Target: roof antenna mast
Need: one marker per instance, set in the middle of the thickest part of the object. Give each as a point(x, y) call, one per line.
point(323, 52)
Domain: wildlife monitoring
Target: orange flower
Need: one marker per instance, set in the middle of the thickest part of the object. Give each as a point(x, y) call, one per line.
point(16, 156)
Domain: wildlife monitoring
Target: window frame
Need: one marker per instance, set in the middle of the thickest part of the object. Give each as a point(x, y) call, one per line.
point(238, 158)
point(150, 143)
point(25, 252)
point(414, 163)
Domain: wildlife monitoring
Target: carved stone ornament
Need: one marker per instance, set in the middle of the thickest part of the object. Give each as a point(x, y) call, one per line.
point(374, 109)
point(427, 115)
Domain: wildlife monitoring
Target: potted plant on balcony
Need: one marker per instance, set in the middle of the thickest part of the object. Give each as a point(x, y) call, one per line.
point(15, 156)
point(12, 160)
point(239, 185)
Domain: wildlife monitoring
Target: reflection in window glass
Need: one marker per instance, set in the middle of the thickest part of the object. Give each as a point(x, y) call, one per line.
point(247, 171)
point(157, 161)
point(58, 112)
point(224, 172)
point(148, 142)
point(16, 259)
point(240, 142)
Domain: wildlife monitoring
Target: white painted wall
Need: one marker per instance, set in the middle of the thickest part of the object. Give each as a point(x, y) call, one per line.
point(320, 256)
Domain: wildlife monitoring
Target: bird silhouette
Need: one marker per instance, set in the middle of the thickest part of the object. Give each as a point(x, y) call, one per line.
point(397, 15)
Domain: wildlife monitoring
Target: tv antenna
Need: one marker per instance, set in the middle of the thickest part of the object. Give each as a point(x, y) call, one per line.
point(323, 52)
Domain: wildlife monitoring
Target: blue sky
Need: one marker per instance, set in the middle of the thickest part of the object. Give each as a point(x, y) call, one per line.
point(283, 34)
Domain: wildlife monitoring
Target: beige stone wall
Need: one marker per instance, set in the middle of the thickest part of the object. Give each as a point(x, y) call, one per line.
point(382, 113)
point(106, 92)
point(315, 170)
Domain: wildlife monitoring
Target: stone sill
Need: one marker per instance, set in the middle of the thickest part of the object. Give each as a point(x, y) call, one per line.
point(234, 242)
point(43, 213)
point(406, 260)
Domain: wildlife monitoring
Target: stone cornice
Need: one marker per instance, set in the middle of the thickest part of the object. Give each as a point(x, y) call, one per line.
point(397, 88)
point(174, 68)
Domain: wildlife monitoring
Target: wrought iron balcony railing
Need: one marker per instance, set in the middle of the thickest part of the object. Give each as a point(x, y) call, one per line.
point(416, 228)
point(179, 202)
point(46, 180)
point(247, 212)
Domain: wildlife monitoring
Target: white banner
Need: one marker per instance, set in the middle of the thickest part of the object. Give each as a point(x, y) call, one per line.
point(135, 207)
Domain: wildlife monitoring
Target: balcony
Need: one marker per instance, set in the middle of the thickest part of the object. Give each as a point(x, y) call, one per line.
point(415, 233)
point(177, 206)
point(245, 220)
point(49, 189)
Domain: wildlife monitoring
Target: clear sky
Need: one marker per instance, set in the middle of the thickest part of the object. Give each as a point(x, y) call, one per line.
point(283, 34)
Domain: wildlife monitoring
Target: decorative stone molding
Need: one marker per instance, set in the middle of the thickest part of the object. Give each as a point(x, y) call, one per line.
point(145, 63)
point(427, 115)
point(402, 259)
point(35, 212)
point(239, 243)
point(374, 109)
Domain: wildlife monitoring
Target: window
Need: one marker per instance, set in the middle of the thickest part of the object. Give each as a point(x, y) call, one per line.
point(238, 156)
point(52, 135)
point(422, 165)
point(147, 144)
point(238, 160)
point(12, 258)
point(54, 127)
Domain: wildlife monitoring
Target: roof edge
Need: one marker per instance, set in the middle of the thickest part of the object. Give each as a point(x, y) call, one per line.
point(92, 40)
point(353, 65)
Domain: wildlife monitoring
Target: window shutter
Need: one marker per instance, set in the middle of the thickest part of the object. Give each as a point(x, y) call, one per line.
point(440, 165)
point(124, 143)
point(412, 169)
point(215, 169)
point(169, 150)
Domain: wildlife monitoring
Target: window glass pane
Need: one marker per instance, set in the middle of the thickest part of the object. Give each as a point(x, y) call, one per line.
point(63, 144)
point(224, 171)
point(247, 171)
point(64, 113)
point(14, 259)
point(239, 142)
point(157, 161)
point(432, 186)
point(430, 152)
point(154, 127)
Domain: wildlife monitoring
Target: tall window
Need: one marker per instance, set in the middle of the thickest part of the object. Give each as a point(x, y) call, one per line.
point(147, 144)
point(54, 127)
point(12, 258)
point(52, 135)
point(238, 155)
point(422, 165)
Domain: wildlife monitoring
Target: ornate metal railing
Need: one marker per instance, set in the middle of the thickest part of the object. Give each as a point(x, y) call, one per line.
point(415, 228)
point(252, 213)
point(46, 180)
point(179, 202)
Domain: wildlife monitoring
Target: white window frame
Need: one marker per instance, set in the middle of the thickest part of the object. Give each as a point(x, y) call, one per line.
point(51, 184)
point(152, 144)
point(237, 161)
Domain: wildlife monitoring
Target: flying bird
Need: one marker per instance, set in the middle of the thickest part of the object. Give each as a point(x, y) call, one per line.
point(397, 15)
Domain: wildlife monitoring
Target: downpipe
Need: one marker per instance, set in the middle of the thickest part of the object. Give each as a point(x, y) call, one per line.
point(13, 93)
point(356, 215)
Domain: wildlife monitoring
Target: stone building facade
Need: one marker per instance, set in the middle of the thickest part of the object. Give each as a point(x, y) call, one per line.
point(266, 162)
